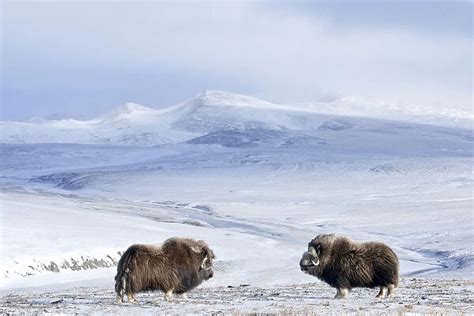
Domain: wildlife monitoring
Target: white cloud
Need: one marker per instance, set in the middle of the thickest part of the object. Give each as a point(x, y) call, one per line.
point(288, 55)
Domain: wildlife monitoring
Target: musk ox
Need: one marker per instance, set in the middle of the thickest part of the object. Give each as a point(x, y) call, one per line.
point(345, 264)
point(179, 265)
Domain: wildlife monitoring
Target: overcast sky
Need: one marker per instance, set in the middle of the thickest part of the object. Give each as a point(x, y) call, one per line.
point(80, 59)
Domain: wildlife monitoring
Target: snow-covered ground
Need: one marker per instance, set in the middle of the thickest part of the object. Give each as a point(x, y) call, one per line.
point(255, 180)
point(416, 297)
point(424, 212)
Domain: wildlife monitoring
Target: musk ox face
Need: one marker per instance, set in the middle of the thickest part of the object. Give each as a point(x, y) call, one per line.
point(206, 269)
point(309, 260)
point(317, 248)
point(345, 264)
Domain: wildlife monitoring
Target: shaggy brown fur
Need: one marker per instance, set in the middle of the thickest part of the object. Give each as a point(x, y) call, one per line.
point(178, 266)
point(345, 264)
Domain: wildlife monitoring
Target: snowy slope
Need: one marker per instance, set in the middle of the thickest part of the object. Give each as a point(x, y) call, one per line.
point(65, 227)
point(129, 124)
point(413, 113)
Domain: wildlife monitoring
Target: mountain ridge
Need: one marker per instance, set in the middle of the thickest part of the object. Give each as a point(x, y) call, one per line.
point(210, 112)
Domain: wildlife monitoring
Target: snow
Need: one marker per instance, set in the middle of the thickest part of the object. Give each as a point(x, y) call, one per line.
point(418, 297)
point(244, 211)
point(415, 113)
point(256, 180)
point(229, 99)
point(101, 229)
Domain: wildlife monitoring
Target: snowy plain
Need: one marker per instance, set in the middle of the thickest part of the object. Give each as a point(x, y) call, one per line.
point(255, 179)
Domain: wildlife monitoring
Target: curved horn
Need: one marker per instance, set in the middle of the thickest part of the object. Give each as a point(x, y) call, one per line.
point(314, 254)
point(203, 264)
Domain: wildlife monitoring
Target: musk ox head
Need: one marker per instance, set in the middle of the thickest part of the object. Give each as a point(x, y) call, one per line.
point(317, 248)
point(206, 268)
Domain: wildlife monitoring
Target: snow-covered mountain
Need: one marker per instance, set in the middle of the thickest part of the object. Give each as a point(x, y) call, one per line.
point(414, 113)
point(211, 117)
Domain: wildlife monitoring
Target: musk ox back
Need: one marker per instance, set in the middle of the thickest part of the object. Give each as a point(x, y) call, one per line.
point(179, 265)
point(345, 264)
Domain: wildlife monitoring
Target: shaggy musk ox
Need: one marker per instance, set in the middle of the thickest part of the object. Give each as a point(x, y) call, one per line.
point(179, 265)
point(345, 264)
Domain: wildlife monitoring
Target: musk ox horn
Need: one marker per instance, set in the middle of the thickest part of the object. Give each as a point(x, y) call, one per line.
point(196, 249)
point(208, 253)
point(313, 253)
point(203, 264)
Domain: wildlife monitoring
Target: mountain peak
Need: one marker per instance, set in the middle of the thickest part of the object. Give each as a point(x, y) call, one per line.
point(226, 98)
point(130, 107)
point(126, 110)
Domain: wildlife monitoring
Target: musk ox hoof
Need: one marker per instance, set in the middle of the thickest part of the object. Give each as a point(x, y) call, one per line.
point(386, 291)
point(391, 290)
point(131, 298)
point(341, 293)
point(169, 296)
point(382, 292)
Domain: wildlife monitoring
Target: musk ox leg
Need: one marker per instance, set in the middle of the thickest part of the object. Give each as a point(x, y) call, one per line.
point(391, 290)
point(119, 299)
point(382, 292)
point(132, 298)
point(121, 290)
point(341, 293)
point(168, 295)
point(184, 296)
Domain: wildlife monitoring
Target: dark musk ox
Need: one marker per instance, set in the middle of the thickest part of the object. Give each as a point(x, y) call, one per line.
point(345, 264)
point(178, 266)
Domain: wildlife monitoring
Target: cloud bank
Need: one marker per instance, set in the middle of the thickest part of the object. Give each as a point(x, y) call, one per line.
point(82, 58)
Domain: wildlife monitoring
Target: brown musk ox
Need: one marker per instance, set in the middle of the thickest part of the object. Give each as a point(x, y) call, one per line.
point(178, 266)
point(345, 264)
